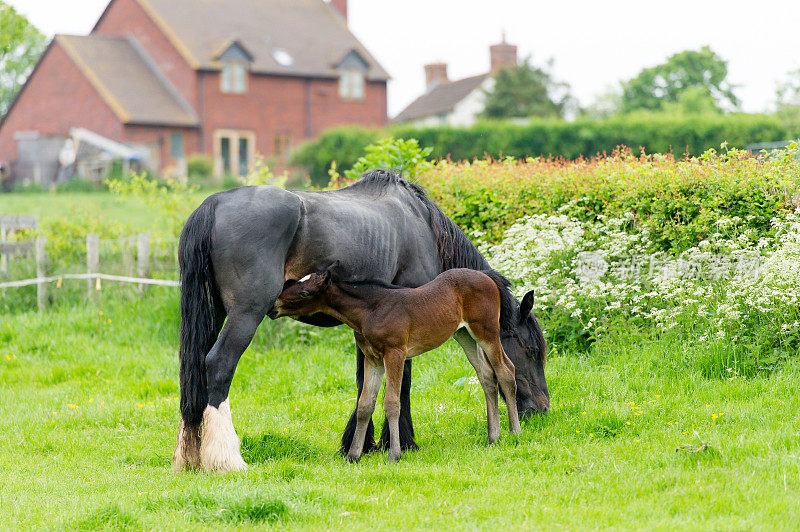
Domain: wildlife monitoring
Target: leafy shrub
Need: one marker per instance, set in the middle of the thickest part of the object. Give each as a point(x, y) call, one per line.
point(79, 185)
point(66, 235)
point(404, 156)
point(653, 132)
point(199, 166)
point(173, 198)
point(340, 146)
point(677, 202)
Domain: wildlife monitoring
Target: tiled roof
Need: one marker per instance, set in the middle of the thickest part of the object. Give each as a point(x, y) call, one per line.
point(312, 33)
point(125, 77)
point(440, 99)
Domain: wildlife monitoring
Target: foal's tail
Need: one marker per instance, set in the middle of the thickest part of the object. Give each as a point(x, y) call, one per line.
point(507, 301)
point(198, 331)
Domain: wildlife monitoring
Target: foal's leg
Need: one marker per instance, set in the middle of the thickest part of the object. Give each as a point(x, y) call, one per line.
point(393, 361)
point(373, 375)
point(350, 428)
point(504, 371)
point(485, 378)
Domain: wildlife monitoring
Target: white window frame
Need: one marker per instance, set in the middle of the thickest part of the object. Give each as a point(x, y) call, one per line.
point(233, 77)
point(352, 84)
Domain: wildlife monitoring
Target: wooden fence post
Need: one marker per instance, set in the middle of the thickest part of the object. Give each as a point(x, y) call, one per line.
point(127, 255)
point(92, 262)
point(41, 272)
point(142, 257)
point(3, 257)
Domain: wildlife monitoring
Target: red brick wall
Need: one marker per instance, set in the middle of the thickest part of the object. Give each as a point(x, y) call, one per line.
point(56, 98)
point(127, 17)
point(278, 105)
point(160, 136)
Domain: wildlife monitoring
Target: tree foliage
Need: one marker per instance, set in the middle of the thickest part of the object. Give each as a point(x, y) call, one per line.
point(525, 90)
point(787, 105)
point(702, 72)
point(21, 44)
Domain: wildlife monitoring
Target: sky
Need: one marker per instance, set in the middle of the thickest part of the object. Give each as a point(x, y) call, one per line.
point(593, 44)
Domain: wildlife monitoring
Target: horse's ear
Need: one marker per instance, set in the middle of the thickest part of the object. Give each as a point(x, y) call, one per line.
point(526, 306)
point(288, 283)
point(332, 272)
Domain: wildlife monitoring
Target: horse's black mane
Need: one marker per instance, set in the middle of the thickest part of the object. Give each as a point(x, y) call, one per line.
point(455, 249)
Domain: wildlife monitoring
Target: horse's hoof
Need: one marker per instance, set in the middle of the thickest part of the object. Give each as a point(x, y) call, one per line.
point(352, 458)
point(394, 458)
point(221, 468)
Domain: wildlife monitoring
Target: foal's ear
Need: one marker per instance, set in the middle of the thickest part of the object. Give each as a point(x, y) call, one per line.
point(526, 306)
point(288, 283)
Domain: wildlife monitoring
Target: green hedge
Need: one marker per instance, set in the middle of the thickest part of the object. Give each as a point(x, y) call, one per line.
point(342, 145)
point(656, 133)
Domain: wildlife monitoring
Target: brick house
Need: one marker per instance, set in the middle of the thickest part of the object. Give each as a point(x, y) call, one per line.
point(456, 103)
point(229, 78)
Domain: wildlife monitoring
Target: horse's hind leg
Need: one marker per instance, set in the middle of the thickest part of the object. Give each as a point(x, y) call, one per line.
point(504, 371)
point(219, 447)
point(486, 379)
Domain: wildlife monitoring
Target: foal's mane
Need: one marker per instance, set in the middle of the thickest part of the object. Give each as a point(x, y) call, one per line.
point(455, 249)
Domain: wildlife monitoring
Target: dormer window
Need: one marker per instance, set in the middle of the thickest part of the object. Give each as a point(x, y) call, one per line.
point(351, 84)
point(234, 62)
point(234, 78)
point(352, 73)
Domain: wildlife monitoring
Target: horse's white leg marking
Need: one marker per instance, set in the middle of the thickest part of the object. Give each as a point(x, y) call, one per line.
point(219, 447)
point(178, 460)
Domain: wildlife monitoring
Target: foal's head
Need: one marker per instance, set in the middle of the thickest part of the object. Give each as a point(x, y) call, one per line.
point(302, 298)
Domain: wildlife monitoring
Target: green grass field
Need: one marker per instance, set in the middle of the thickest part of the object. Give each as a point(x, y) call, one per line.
point(638, 436)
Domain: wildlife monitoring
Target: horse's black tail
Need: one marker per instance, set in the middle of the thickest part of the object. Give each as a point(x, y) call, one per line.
point(198, 331)
point(507, 301)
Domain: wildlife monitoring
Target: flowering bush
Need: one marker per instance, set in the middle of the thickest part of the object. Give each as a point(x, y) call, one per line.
point(591, 277)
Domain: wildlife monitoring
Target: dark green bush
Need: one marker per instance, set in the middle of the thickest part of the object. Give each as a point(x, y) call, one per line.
point(342, 145)
point(199, 165)
point(655, 132)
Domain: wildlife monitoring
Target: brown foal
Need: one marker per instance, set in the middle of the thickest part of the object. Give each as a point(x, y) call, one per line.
point(392, 324)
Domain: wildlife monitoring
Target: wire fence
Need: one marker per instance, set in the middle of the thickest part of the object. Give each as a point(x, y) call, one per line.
point(45, 270)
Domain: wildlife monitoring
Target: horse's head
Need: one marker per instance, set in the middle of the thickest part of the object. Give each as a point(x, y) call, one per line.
point(302, 298)
point(526, 347)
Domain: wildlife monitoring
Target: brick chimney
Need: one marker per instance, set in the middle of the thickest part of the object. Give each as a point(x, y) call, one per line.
point(341, 7)
point(435, 74)
point(503, 55)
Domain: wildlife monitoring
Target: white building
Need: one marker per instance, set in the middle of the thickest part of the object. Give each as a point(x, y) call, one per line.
point(455, 103)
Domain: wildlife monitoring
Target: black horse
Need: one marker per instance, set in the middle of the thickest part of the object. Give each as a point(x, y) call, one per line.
point(239, 248)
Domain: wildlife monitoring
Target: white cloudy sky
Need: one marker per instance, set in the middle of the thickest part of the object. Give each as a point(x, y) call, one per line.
point(594, 44)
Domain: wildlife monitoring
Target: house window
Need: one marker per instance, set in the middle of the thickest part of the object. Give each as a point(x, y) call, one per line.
point(282, 145)
point(233, 79)
point(234, 152)
point(225, 155)
point(351, 84)
point(176, 148)
point(244, 155)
